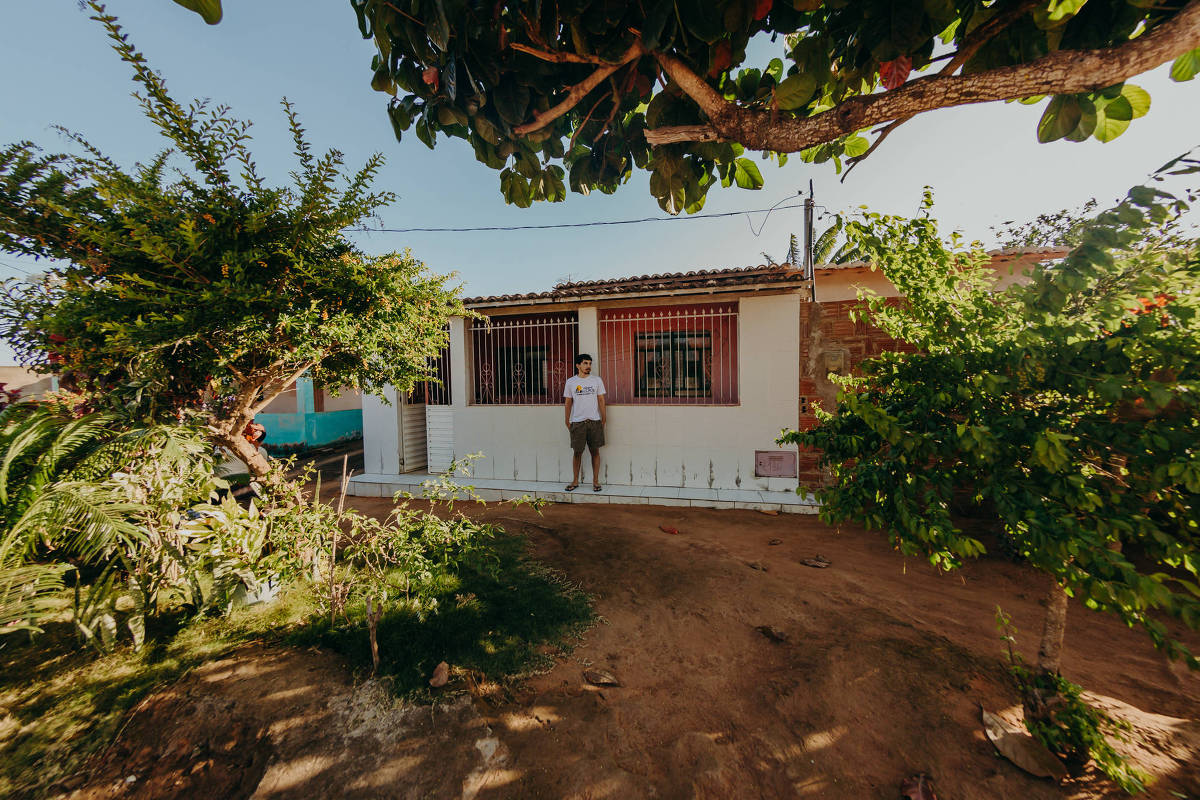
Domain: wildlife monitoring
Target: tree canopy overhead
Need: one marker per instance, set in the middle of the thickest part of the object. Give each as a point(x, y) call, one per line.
point(553, 92)
point(583, 91)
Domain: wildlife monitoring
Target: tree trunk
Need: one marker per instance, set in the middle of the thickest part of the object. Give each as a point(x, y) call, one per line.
point(1041, 698)
point(1054, 628)
point(256, 462)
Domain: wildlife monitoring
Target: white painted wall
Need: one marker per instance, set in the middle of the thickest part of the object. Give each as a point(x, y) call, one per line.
point(381, 434)
point(839, 285)
point(686, 446)
point(843, 284)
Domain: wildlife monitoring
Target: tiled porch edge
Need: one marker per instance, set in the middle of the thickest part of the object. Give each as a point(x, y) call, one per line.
point(492, 489)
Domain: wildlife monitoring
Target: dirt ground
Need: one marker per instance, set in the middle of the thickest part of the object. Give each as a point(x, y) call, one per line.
point(880, 674)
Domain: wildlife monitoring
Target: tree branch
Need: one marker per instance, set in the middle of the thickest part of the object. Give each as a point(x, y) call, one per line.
point(578, 128)
point(970, 46)
point(558, 57)
point(578, 92)
point(274, 388)
point(695, 87)
point(684, 133)
point(1062, 72)
point(883, 134)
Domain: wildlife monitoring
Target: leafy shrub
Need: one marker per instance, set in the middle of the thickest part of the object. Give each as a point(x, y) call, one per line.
point(66, 504)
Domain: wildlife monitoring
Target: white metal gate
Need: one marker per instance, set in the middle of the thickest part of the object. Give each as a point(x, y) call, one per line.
point(410, 421)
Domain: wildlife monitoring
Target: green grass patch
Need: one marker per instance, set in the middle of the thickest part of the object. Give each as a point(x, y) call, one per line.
point(504, 625)
point(60, 703)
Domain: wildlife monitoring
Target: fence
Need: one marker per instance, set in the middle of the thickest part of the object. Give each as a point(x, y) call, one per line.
point(523, 360)
point(670, 355)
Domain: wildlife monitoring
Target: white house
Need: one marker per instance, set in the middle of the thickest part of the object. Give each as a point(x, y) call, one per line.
point(702, 370)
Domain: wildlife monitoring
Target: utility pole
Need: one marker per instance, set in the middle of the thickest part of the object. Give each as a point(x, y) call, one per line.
point(810, 274)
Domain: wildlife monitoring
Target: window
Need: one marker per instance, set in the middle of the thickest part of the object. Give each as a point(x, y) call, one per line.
point(524, 359)
point(521, 370)
point(674, 364)
point(670, 355)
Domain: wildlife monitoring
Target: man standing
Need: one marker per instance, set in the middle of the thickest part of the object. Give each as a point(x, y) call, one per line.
point(585, 416)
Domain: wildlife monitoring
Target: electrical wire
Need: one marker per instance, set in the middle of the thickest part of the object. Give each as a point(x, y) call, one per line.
point(560, 225)
point(15, 268)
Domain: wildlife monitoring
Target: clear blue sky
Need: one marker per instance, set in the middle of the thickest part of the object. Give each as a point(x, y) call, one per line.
point(983, 161)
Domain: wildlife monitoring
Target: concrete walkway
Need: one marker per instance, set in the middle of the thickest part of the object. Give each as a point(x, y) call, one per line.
point(494, 489)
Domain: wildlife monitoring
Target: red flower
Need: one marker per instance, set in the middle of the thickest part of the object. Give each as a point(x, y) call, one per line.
point(430, 76)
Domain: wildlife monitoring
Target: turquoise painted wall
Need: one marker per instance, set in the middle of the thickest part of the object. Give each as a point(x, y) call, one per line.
point(307, 426)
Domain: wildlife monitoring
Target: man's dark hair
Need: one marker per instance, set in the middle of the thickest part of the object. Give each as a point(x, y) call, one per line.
point(582, 357)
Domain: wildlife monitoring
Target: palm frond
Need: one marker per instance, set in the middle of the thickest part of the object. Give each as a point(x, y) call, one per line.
point(25, 591)
point(72, 443)
point(795, 255)
point(22, 443)
point(826, 241)
point(78, 517)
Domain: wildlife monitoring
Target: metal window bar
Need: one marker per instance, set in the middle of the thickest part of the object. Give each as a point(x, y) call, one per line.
point(435, 393)
point(523, 360)
point(679, 355)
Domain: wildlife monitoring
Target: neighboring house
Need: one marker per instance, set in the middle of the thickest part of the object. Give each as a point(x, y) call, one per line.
point(702, 370)
point(303, 416)
point(30, 384)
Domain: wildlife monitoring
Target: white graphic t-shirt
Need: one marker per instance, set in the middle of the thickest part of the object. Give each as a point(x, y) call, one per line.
point(583, 392)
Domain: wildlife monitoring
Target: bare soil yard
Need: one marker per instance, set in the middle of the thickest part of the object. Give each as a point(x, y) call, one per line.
point(880, 674)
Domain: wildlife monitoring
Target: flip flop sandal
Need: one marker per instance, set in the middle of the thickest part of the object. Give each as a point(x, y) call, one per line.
point(572, 487)
point(596, 487)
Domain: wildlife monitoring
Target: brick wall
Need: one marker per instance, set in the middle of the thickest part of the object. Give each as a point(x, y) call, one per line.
point(831, 341)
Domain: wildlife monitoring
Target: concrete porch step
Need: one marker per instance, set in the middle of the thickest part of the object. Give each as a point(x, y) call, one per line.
point(372, 485)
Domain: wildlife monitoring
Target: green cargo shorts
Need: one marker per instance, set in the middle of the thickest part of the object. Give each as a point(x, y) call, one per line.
point(589, 432)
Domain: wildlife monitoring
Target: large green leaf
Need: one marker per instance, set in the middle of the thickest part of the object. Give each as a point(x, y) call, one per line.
point(1059, 10)
point(438, 27)
point(515, 189)
point(1087, 123)
point(552, 184)
point(1139, 99)
point(486, 130)
point(775, 69)
point(855, 146)
point(655, 27)
point(1113, 119)
point(795, 91)
point(382, 81)
point(210, 10)
point(746, 174)
point(1061, 117)
point(512, 100)
point(701, 21)
point(425, 133)
point(1186, 66)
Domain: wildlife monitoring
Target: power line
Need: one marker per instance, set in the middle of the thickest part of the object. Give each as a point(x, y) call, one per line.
point(15, 268)
point(581, 224)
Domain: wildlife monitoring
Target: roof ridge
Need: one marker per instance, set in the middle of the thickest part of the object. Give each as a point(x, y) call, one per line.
point(659, 276)
point(780, 274)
